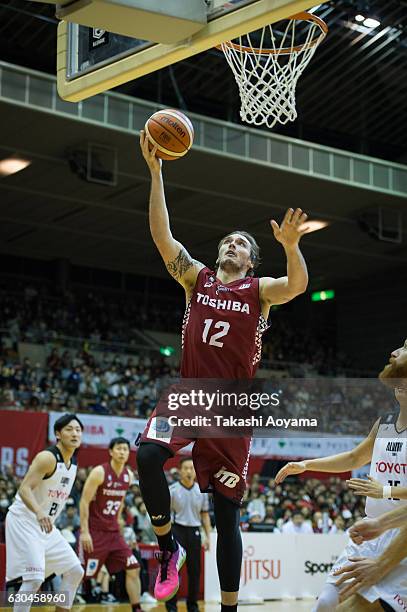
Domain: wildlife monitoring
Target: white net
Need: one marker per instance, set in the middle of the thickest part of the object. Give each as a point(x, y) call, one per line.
point(267, 68)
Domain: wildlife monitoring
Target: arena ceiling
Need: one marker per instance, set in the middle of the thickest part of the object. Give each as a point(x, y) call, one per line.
point(48, 212)
point(353, 95)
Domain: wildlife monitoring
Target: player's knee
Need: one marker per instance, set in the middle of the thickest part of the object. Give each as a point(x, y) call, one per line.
point(33, 585)
point(150, 456)
point(74, 575)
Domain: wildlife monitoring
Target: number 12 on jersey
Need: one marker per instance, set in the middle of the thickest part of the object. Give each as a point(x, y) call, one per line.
point(223, 326)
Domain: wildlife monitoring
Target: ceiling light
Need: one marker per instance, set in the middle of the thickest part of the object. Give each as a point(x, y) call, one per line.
point(360, 18)
point(313, 226)
point(371, 23)
point(11, 165)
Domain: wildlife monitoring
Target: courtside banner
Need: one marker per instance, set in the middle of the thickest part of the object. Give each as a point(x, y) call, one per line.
point(278, 565)
point(99, 430)
point(313, 446)
point(22, 436)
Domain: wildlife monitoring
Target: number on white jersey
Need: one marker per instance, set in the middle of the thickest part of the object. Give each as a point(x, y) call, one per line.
point(54, 509)
point(224, 327)
point(111, 507)
point(394, 483)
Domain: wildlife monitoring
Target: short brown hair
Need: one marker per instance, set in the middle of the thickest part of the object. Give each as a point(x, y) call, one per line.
point(183, 460)
point(254, 249)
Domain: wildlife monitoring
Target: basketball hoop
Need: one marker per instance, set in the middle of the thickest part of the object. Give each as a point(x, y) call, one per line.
point(268, 63)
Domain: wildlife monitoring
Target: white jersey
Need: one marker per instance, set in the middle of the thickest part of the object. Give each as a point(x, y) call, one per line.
point(52, 492)
point(389, 464)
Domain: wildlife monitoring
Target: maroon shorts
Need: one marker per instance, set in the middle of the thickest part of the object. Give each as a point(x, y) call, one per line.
point(109, 549)
point(220, 463)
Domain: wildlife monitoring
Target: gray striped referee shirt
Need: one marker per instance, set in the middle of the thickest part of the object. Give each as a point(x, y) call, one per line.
point(187, 504)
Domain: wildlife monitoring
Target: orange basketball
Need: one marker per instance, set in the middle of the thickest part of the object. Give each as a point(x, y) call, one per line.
point(171, 132)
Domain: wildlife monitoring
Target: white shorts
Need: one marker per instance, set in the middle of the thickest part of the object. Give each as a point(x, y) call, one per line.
point(32, 554)
point(393, 587)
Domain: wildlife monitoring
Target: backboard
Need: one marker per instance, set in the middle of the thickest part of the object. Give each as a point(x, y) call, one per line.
point(91, 60)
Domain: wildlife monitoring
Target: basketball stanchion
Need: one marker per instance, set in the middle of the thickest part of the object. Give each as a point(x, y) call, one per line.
point(268, 63)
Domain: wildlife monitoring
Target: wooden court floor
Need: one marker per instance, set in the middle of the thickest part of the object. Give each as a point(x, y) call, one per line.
point(303, 605)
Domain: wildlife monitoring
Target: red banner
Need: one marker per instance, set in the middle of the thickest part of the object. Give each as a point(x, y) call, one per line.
point(22, 436)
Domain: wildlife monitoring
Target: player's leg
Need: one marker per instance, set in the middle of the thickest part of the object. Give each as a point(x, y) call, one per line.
point(133, 587)
point(180, 537)
point(71, 580)
point(60, 559)
point(25, 556)
point(359, 604)
point(156, 495)
point(193, 568)
point(228, 550)
point(154, 489)
point(120, 558)
point(101, 589)
point(222, 464)
point(328, 599)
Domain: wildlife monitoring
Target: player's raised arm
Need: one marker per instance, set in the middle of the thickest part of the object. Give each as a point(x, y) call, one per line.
point(43, 465)
point(178, 261)
point(285, 288)
point(343, 462)
point(93, 481)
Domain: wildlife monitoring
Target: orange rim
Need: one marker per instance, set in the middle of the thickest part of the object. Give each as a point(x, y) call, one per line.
point(304, 16)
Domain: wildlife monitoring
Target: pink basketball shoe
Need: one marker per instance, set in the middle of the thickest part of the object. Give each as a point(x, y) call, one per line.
point(167, 582)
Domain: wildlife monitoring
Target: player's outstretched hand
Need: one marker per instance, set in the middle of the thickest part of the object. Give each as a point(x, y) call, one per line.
point(44, 521)
point(291, 229)
point(86, 541)
point(368, 529)
point(294, 467)
point(368, 488)
point(154, 163)
point(361, 572)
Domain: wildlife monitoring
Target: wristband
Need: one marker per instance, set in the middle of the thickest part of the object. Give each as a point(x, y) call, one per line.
point(387, 492)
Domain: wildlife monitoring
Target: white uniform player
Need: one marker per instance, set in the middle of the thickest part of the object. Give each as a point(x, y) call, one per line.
point(40, 554)
point(35, 549)
point(389, 467)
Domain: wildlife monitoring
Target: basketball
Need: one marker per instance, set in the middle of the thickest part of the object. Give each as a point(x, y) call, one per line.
point(171, 132)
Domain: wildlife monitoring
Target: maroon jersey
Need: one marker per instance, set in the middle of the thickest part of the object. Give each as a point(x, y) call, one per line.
point(222, 329)
point(104, 507)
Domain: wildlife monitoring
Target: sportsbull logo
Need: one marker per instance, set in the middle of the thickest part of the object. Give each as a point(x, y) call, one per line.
point(317, 568)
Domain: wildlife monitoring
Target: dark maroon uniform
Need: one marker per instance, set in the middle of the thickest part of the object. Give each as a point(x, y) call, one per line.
point(109, 547)
point(221, 339)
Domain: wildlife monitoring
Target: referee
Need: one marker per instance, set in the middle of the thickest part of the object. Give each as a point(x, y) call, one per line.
point(190, 510)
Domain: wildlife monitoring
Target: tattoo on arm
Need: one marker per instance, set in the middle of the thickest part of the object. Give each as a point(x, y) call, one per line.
point(181, 264)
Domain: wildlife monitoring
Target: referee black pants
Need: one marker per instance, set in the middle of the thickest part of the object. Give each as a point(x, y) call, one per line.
point(190, 539)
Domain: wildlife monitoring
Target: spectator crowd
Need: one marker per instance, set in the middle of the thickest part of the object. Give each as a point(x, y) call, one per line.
point(295, 506)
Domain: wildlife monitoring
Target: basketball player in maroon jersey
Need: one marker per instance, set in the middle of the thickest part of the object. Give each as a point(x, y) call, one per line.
point(226, 314)
point(100, 508)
